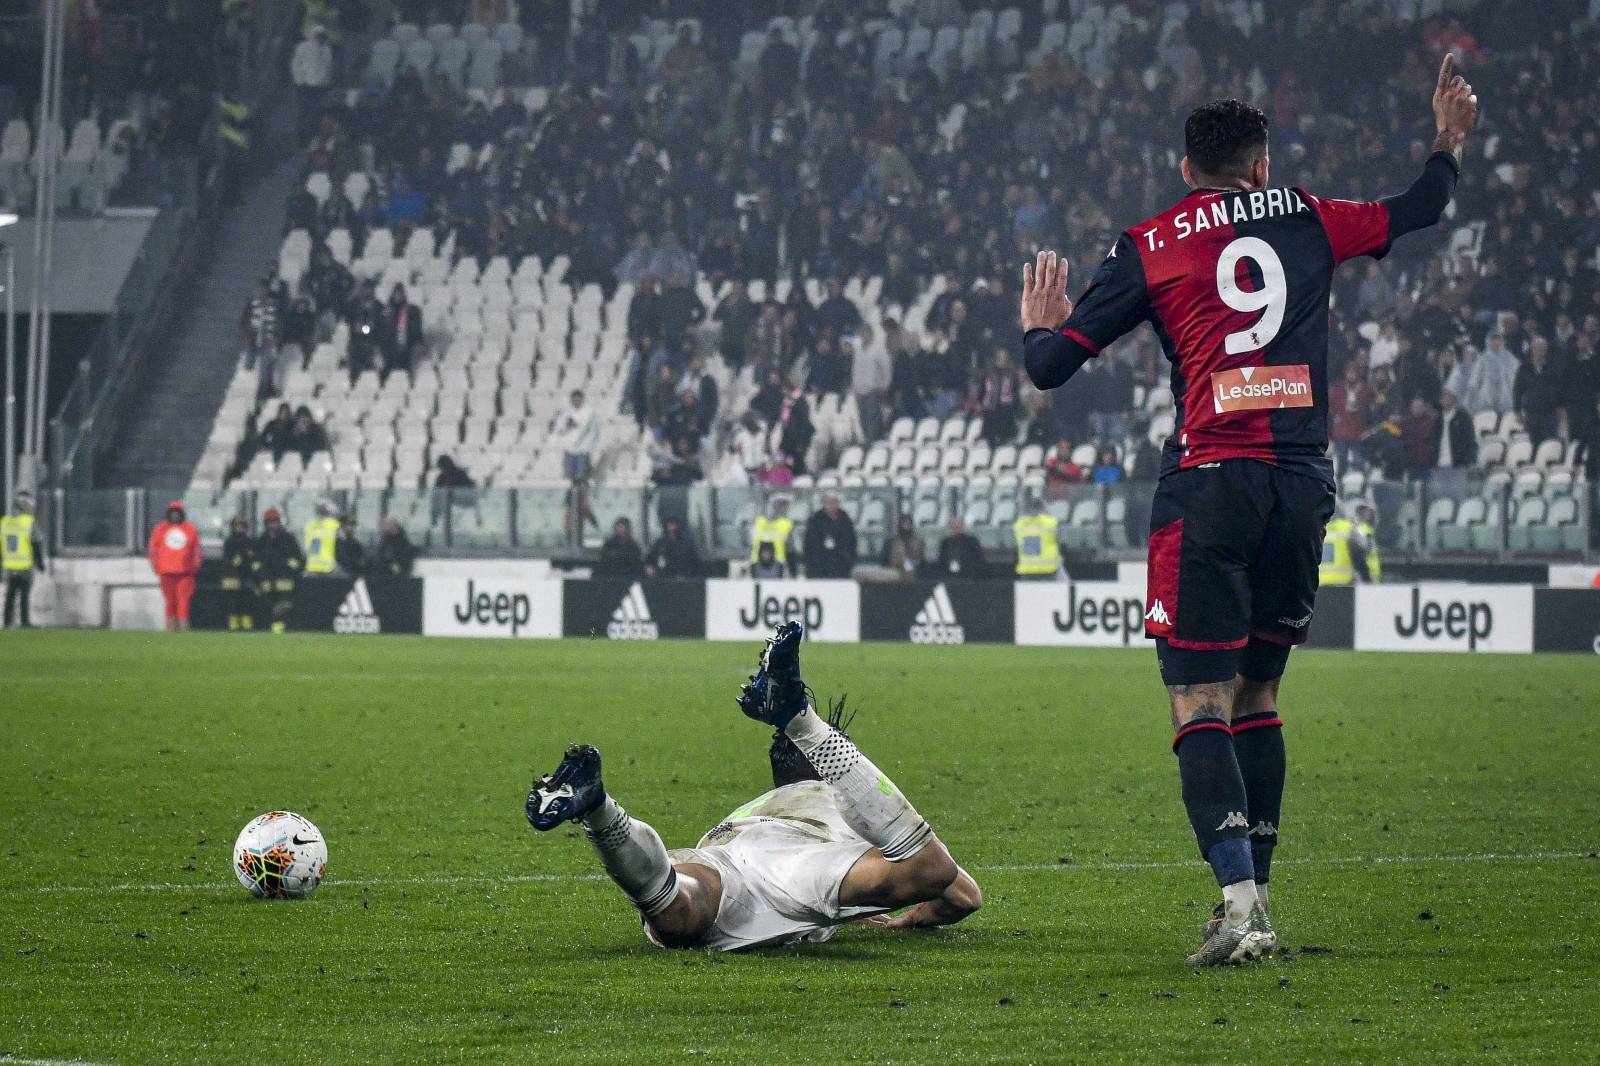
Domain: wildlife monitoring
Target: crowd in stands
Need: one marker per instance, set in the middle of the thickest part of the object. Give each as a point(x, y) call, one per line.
point(709, 175)
point(139, 87)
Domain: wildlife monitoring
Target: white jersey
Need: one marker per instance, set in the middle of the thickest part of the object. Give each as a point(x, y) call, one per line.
point(783, 858)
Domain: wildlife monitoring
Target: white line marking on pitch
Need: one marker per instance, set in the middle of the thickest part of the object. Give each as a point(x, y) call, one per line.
point(5, 1060)
point(1039, 867)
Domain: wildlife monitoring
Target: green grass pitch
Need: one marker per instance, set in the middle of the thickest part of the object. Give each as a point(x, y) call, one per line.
point(1436, 885)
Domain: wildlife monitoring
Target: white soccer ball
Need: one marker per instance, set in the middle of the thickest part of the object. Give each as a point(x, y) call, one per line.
point(280, 855)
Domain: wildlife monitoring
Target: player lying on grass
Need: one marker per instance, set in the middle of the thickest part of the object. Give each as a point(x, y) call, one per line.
point(833, 842)
point(1236, 280)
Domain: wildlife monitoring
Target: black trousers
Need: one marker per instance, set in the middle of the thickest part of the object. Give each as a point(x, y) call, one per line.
point(19, 586)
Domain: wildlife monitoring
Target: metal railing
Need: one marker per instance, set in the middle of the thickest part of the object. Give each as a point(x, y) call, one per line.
point(1103, 521)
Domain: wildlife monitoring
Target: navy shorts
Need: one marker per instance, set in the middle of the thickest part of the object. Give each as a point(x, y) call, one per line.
point(1234, 551)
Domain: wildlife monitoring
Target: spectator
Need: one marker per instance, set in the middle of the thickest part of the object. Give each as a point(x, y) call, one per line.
point(830, 370)
point(395, 555)
point(305, 436)
point(1110, 400)
point(311, 69)
point(737, 315)
point(1419, 435)
point(451, 476)
point(1463, 377)
point(902, 550)
point(402, 333)
point(619, 555)
point(578, 431)
point(1537, 392)
point(277, 435)
point(960, 554)
point(349, 554)
point(1455, 442)
point(794, 441)
point(997, 399)
point(1059, 469)
point(830, 541)
point(259, 327)
point(766, 564)
point(366, 319)
point(673, 555)
point(836, 314)
point(1107, 470)
point(1495, 376)
point(1349, 404)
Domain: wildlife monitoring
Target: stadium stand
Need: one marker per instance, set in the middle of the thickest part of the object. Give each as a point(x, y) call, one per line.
point(805, 218)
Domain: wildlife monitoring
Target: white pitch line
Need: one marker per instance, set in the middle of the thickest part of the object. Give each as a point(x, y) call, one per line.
point(1038, 867)
point(17, 1060)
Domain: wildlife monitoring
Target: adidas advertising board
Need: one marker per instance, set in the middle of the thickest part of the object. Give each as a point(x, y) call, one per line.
point(491, 607)
point(1080, 613)
point(634, 610)
point(355, 613)
point(748, 610)
point(941, 612)
point(326, 605)
point(1441, 617)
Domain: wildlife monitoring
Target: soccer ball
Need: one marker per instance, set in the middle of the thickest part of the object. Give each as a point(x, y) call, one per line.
point(280, 855)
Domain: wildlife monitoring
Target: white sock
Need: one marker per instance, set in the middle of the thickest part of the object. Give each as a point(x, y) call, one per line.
point(1240, 900)
point(869, 801)
point(633, 855)
point(1261, 893)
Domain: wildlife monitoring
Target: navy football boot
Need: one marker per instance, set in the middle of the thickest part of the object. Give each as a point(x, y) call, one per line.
point(775, 693)
point(571, 791)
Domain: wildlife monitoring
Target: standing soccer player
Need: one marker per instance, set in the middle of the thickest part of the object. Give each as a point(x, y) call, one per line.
point(1235, 280)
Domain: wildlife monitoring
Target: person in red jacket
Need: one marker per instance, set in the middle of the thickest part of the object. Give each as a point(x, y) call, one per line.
point(175, 557)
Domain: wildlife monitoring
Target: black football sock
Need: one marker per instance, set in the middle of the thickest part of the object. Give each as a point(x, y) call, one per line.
point(1258, 746)
point(1213, 793)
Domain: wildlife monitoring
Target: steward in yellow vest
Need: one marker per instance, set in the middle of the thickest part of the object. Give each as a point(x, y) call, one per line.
point(322, 541)
point(1038, 554)
point(1350, 552)
point(774, 530)
point(21, 554)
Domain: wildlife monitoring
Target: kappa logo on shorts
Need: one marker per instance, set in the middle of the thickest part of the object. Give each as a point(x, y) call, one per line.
point(1234, 820)
point(1261, 388)
point(631, 620)
point(1158, 614)
point(936, 622)
point(355, 613)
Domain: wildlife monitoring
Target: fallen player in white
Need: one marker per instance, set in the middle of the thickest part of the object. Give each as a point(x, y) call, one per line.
point(834, 841)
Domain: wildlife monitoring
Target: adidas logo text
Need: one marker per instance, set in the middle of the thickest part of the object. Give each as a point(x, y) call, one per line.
point(631, 620)
point(936, 622)
point(355, 613)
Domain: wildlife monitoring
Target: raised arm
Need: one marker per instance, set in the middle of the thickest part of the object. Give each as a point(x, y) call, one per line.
point(1455, 111)
point(1058, 338)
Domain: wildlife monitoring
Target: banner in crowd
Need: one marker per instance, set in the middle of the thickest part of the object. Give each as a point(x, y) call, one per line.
point(362, 605)
point(634, 610)
point(943, 612)
point(748, 610)
point(492, 607)
point(1566, 620)
point(1080, 613)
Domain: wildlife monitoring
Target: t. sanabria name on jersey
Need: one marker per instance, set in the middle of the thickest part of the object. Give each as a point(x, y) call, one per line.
point(1224, 211)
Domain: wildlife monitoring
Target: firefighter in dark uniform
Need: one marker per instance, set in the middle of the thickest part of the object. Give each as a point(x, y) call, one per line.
point(238, 575)
point(277, 565)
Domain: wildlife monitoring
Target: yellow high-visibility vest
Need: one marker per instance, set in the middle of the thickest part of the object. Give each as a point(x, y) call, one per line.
point(774, 531)
point(1336, 568)
point(16, 542)
point(321, 536)
point(1037, 551)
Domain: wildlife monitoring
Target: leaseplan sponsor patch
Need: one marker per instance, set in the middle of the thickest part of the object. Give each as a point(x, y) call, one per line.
point(1261, 388)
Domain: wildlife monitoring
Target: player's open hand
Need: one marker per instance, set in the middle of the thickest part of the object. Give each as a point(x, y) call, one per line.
point(1455, 106)
point(1044, 293)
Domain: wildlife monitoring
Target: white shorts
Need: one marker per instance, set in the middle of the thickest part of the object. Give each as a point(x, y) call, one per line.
point(783, 860)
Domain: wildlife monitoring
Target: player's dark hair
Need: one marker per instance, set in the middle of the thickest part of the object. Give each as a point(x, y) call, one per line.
point(789, 763)
point(1224, 137)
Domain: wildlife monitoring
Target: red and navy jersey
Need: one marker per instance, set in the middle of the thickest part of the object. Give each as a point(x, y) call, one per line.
point(1236, 286)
